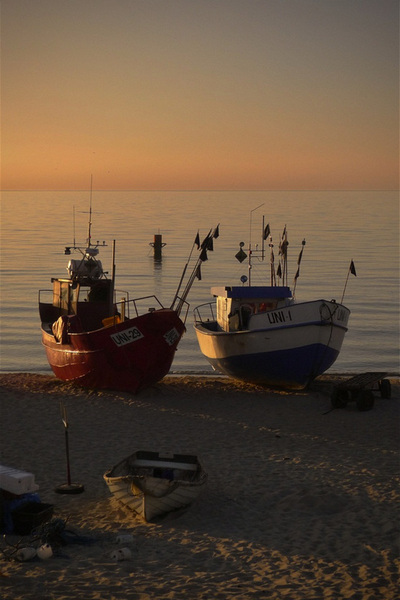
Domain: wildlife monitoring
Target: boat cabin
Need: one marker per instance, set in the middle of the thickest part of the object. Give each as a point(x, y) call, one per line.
point(91, 301)
point(236, 304)
point(85, 294)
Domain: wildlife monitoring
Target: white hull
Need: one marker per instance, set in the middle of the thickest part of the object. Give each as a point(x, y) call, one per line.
point(287, 347)
point(152, 485)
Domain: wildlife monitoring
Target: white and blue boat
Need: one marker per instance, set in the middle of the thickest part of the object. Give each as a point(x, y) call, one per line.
point(262, 335)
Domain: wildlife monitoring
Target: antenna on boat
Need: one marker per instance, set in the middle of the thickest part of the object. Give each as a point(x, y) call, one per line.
point(112, 278)
point(90, 212)
point(73, 223)
point(250, 251)
point(251, 216)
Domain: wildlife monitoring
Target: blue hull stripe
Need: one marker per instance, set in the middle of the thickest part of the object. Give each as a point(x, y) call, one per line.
point(289, 368)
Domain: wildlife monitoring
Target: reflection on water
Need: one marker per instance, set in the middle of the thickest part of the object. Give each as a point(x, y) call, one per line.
point(337, 226)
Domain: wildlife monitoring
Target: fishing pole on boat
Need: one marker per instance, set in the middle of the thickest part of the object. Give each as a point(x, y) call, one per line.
point(351, 270)
point(207, 244)
point(195, 243)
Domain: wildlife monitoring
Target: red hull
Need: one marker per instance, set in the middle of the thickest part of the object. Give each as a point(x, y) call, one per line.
point(129, 356)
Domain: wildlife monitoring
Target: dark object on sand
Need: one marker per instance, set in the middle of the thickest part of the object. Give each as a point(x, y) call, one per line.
point(360, 390)
point(30, 515)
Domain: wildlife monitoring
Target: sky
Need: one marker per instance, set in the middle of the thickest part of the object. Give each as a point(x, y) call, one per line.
point(200, 94)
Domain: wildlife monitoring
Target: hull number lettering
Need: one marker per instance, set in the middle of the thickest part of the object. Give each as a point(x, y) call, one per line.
point(171, 336)
point(279, 317)
point(127, 336)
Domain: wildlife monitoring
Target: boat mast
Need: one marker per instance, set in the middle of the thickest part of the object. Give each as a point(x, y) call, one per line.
point(73, 222)
point(112, 279)
point(250, 251)
point(272, 261)
point(88, 241)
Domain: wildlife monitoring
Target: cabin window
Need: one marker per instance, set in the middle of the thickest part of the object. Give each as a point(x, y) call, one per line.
point(265, 306)
point(61, 295)
point(99, 292)
point(74, 296)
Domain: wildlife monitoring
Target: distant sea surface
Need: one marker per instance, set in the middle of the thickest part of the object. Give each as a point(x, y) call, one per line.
point(338, 227)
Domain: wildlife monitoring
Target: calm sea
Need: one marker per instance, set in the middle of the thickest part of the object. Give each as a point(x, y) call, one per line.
point(338, 227)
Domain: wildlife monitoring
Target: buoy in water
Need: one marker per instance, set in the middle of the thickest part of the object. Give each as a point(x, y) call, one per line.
point(158, 244)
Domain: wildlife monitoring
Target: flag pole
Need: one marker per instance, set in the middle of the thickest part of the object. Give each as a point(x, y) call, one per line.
point(196, 242)
point(262, 238)
point(303, 243)
point(352, 270)
point(202, 257)
point(272, 261)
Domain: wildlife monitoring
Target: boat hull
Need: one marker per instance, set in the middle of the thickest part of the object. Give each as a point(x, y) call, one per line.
point(152, 485)
point(284, 348)
point(128, 356)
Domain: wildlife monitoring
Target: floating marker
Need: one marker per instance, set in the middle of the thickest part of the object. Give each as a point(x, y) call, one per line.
point(158, 244)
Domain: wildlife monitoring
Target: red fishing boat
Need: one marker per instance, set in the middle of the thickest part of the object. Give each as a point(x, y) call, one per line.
point(97, 342)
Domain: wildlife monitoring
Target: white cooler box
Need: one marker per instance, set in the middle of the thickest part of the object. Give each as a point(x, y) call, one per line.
point(17, 482)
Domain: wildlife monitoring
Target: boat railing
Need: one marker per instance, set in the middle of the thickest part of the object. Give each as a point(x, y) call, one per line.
point(45, 296)
point(183, 308)
point(125, 307)
point(204, 312)
point(137, 306)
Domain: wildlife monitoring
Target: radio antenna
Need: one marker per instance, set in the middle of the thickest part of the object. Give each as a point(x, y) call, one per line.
point(73, 223)
point(90, 212)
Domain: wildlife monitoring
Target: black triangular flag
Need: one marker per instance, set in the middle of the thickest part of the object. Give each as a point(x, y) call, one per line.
point(198, 273)
point(203, 255)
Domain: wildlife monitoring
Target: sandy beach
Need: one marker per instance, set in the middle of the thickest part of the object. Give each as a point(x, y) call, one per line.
point(302, 501)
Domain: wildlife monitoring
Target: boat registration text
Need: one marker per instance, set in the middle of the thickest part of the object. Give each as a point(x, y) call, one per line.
point(126, 336)
point(171, 336)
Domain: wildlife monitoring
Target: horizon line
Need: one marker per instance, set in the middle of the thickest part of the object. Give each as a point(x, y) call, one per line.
point(199, 190)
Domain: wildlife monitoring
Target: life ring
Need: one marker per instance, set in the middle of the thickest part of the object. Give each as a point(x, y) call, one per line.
point(325, 312)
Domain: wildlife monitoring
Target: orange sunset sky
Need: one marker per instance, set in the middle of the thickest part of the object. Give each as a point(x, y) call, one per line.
point(200, 94)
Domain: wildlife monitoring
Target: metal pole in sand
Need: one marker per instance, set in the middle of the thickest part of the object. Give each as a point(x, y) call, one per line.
point(67, 488)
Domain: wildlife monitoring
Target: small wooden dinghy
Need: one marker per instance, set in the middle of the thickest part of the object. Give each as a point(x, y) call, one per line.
point(152, 483)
